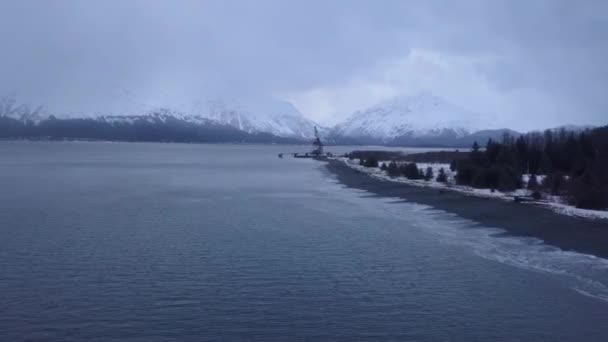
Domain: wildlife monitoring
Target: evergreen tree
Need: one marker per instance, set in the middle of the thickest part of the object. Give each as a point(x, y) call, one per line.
point(509, 179)
point(476, 156)
point(532, 182)
point(393, 169)
point(371, 162)
point(441, 176)
point(428, 175)
point(587, 191)
point(554, 182)
point(453, 165)
point(465, 173)
point(411, 171)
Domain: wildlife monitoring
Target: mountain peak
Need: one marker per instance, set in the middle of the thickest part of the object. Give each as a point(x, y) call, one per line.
point(261, 115)
point(422, 115)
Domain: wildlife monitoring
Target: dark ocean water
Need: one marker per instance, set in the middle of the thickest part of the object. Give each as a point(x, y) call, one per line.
point(173, 242)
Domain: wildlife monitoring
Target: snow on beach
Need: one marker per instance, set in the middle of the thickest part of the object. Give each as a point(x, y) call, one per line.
point(555, 203)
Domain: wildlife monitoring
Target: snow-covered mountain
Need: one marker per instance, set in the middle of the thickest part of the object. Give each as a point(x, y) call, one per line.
point(406, 118)
point(269, 116)
point(279, 118)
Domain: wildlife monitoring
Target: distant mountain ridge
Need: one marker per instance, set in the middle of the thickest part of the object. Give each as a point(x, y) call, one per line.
point(279, 118)
point(152, 127)
point(275, 120)
point(422, 120)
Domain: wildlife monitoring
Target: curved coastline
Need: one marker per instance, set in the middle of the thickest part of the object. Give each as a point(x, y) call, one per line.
point(565, 232)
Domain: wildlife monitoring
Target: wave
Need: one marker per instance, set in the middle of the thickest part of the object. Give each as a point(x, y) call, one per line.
point(586, 274)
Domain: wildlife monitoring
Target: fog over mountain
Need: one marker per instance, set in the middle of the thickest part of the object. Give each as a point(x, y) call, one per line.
point(520, 64)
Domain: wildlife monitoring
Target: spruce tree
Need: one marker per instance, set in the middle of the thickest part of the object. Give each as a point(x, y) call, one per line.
point(411, 171)
point(371, 162)
point(532, 182)
point(441, 176)
point(428, 175)
point(393, 170)
point(453, 165)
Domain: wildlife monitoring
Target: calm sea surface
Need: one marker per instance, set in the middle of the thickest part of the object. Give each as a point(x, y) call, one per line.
point(163, 242)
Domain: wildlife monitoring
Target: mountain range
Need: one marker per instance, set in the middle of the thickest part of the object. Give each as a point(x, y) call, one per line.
point(421, 120)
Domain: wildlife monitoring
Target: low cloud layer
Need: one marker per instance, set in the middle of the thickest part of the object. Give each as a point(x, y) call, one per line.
point(533, 64)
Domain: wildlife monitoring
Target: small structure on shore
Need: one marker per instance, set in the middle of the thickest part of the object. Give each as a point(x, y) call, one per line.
point(317, 144)
point(317, 149)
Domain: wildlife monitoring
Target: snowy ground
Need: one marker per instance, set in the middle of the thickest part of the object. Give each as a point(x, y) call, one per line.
point(555, 203)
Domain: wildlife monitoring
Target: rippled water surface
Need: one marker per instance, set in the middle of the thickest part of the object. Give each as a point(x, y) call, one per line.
point(161, 242)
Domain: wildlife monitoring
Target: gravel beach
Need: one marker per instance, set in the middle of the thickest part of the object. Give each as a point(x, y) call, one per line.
point(566, 232)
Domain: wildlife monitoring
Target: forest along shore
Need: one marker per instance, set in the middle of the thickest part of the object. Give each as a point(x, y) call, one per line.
point(565, 232)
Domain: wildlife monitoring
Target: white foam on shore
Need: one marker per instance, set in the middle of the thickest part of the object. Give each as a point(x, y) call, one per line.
point(586, 274)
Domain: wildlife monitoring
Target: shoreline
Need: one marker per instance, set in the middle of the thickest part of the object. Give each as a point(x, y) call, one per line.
point(568, 233)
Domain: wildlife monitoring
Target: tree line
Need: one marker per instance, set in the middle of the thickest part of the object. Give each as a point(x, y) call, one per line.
point(574, 165)
point(407, 170)
point(569, 164)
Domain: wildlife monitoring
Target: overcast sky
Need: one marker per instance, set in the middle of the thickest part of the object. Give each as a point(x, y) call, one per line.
point(532, 63)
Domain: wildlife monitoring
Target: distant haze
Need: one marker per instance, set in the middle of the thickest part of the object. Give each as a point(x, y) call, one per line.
point(532, 64)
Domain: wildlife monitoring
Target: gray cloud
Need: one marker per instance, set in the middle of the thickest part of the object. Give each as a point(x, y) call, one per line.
point(533, 63)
